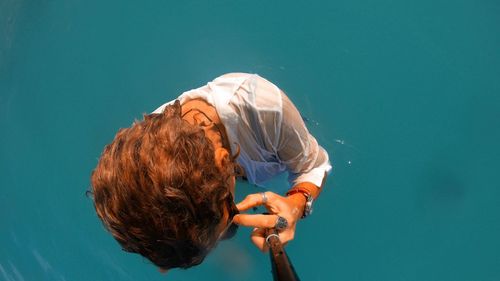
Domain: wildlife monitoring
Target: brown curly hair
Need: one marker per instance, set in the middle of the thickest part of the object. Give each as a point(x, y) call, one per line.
point(157, 189)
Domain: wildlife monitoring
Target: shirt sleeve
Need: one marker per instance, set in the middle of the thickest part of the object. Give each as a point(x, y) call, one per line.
point(285, 134)
point(305, 159)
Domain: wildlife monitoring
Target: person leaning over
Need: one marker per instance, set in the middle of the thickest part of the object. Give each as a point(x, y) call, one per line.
point(164, 187)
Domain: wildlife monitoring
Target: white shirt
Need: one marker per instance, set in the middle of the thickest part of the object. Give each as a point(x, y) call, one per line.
point(270, 131)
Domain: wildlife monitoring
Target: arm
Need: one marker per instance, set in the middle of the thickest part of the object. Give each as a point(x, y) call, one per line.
point(307, 164)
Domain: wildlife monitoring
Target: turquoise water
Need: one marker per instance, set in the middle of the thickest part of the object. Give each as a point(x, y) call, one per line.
point(404, 95)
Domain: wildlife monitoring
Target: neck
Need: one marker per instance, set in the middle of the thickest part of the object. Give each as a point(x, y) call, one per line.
point(199, 110)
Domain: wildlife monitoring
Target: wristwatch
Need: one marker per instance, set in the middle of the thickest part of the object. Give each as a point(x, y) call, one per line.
point(308, 208)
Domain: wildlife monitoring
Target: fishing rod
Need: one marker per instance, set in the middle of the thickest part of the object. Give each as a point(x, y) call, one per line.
point(282, 267)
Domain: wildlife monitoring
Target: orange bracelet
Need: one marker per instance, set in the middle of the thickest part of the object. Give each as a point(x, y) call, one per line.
point(298, 190)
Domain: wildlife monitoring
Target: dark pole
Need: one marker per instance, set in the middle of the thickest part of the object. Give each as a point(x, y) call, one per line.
point(282, 267)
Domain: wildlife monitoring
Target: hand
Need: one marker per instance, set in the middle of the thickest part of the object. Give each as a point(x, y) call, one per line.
point(291, 208)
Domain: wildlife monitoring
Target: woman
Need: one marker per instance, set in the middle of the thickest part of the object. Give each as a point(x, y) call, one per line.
point(164, 187)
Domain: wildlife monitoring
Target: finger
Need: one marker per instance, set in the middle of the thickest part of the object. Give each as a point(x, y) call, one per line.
point(253, 200)
point(286, 236)
point(260, 221)
point(259, 240)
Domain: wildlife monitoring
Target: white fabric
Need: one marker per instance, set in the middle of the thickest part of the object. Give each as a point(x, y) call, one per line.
point(270, 131)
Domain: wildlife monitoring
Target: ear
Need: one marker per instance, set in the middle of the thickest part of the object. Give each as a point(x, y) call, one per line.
point(222, 158)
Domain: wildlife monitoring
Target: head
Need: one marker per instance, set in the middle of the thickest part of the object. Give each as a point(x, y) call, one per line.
point(163, 190)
